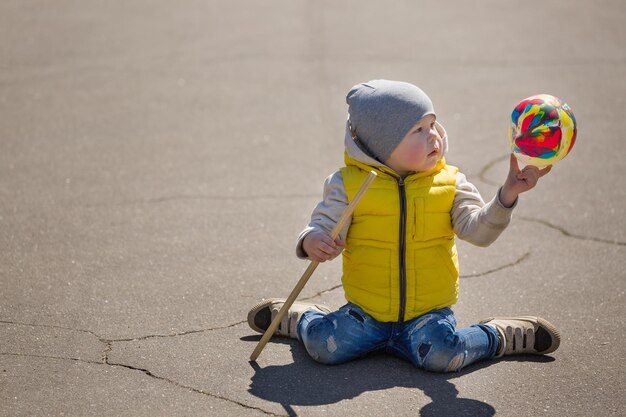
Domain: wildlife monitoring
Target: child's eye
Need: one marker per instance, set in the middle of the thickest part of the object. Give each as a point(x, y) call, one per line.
point(419, 129)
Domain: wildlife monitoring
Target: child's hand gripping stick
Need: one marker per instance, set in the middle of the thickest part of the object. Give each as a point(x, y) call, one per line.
point(311, 268)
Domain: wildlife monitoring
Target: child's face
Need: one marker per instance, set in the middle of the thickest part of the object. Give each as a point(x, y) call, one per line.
point(419, 150)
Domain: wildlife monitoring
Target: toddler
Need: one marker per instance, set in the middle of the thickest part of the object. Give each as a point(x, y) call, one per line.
point(400, 264)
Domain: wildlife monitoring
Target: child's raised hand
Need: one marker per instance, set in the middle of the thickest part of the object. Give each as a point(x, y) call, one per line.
point(519, 181)
point(320, 247)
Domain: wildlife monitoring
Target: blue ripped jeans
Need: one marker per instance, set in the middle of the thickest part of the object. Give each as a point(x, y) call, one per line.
point(430, 341)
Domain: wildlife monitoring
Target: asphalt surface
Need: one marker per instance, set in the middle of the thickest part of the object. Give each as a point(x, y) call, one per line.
point(158, 160)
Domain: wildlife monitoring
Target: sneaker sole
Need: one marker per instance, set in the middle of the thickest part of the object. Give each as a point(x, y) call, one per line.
point(258, 307)
point(549, 327)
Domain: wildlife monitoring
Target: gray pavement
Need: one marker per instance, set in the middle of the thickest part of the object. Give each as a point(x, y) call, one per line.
point(158, 159)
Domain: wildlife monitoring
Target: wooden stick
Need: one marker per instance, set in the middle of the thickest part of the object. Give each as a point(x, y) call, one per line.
point(311, 268)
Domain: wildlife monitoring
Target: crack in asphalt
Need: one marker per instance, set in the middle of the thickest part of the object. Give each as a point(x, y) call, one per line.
point(108, 347)
point(499, 268)
point(327, 290)
point(196, 390)
point(483, 172)
point(151, 336)
point(146, 372)
point(108, 341)
point(571, 235)
point(51, 326)
point(105, 353)
point(31, 355)
point(483, 177)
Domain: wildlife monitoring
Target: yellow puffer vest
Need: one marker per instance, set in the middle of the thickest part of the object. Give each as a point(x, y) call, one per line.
point(400, 260)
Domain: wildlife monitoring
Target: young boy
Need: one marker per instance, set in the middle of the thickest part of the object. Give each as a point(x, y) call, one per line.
point(400, 265)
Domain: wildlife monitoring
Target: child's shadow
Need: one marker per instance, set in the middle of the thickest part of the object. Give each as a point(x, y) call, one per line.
point(305, 382)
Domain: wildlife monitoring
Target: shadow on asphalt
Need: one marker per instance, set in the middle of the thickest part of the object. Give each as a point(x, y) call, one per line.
point(307, 383)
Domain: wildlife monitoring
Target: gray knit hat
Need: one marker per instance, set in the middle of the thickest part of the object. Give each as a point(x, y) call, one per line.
point(382, 112)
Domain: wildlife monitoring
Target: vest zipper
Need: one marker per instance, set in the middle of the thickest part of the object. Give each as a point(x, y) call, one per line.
point(402, 249)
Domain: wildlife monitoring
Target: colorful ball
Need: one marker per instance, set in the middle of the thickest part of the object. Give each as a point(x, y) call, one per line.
point(543, 130)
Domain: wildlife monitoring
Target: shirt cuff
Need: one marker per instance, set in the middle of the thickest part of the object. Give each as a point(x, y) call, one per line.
point(502, 205)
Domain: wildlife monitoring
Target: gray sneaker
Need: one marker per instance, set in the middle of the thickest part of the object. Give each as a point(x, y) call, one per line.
point(524, 335)
point(261, 315)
